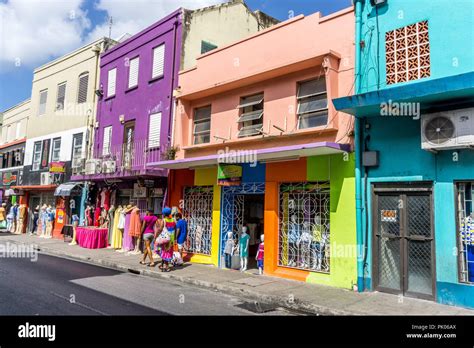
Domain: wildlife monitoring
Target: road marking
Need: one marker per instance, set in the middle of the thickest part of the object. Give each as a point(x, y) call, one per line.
point(79, 304)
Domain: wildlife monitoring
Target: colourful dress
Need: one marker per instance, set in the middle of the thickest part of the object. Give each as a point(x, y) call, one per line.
point(244, 245)
point(135, 224)
point(116, 232)
point(127, 239)
point(167, 249)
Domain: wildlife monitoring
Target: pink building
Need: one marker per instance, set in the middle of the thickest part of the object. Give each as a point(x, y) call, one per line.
point(260, 144)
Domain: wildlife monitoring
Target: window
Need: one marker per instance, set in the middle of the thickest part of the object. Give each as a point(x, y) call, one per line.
point(61, 96)
point(197, 211)
point(202, 125)
point(56, 150)
point(133, 72)
point(303, 241)
point(407, 53)
point(107, 141)
point(18, 130)
point(111, 82)
point(207, 46)
point(312, 103)
point(77, 146)
point(82, 88)
point(465, 206)
point(36, 156)
point(158, 61)
point(9, 133)
point(154, 131)
point(251, 116)
point(42, 102)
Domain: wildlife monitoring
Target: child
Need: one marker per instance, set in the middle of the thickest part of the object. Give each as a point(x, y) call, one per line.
point(259, 256)
point(229, 249)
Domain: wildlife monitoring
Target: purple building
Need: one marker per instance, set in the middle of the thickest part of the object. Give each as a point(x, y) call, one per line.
point(136, 103)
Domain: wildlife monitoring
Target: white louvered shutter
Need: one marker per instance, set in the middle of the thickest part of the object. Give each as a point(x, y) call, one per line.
point(107, 140)
point(111, 82)
point(158, 61)
point(154, 131)
point(133, 72)
point(82, 93)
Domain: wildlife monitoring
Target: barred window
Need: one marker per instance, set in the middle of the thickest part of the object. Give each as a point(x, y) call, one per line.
point(304, 226)
point(61, 96)
point(197, 211)
point(42, 103)
point(465, 206)
point(312, 103)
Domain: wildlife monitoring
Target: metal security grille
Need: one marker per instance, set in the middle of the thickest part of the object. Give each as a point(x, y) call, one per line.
point(304, 234)
point(404, 241)
point(198, 213)
point(233, 208)
point(465, 205)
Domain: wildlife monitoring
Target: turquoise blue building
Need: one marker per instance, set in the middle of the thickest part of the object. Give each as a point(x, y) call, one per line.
point(414, 138)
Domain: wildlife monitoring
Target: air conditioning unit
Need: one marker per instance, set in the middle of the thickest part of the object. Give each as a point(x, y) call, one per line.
point(448, 130)
point(109, 166)
point(93, 166)
point(46, 179)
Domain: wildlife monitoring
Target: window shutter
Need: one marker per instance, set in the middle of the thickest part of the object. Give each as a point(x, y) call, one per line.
point(18, 129)
point(83, 83)
point(61, 96)
point(107, 140)
point(133, 72)
point(43, 99)
point(155, 130)
point(158, 61)
point(111, 82)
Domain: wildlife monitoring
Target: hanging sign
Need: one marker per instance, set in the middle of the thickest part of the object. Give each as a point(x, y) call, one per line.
point(388, 215)
point(9, 178)
point(229, 175)
point(139, 191)
point(57, 167)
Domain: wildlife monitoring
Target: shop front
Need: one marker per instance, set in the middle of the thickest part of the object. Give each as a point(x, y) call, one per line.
point(304, 207)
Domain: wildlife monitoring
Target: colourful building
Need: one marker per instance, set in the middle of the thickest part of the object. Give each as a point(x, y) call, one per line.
point(259, 145)
point(137, 81)
point(414, 137)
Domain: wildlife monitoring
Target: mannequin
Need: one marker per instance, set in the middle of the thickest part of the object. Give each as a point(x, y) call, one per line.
point(43, 219)
point(15, 210)
point(229, 249)
point(244, 249)
point(259, 256)
point(127, 242)
point(304, 244)
point(21, 218)
point(49, 222)
point(319, 242)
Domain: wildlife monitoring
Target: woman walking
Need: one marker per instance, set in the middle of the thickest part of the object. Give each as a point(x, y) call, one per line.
point(166, 240)
point(148, 234)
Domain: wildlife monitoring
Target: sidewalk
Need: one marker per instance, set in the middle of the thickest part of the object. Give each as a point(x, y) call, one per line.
point(316, 299)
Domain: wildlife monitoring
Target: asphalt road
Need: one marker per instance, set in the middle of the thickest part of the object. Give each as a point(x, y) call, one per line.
point(55, 286)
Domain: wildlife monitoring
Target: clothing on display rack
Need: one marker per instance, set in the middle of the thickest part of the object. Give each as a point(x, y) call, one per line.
point(127, 241)
point(97, 216)
point(111, 218)
point(135, 223)
point(117, 232)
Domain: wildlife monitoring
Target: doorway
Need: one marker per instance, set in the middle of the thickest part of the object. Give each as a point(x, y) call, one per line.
point(128, 144)
point(404, 260)
point(243, 205)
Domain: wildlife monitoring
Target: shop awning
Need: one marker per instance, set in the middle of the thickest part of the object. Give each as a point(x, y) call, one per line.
point(433, 95)
point(68, 189)
point(274, 154)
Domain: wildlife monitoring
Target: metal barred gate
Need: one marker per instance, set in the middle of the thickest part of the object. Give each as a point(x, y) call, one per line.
point(404, 260)
point(197, 211)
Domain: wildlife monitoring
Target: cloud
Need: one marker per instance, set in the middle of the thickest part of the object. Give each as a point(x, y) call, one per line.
point(33, 31)
point(133, 16)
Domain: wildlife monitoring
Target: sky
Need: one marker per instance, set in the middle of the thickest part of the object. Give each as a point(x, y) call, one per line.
point(34, 32)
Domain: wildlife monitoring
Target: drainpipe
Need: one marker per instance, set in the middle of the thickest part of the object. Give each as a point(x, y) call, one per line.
point(357, 145)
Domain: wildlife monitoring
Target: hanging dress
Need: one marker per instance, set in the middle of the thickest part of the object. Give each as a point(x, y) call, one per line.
point(127, 239)
point(135, 224)
point(117, 233)
point(111, 224)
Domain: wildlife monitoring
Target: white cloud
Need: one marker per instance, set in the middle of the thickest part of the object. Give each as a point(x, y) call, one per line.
point(35, 31)
point(133, 16)
point(31, 31)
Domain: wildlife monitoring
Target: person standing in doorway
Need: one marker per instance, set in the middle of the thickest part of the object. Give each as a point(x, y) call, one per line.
point(148, 235)
point(181, 232)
